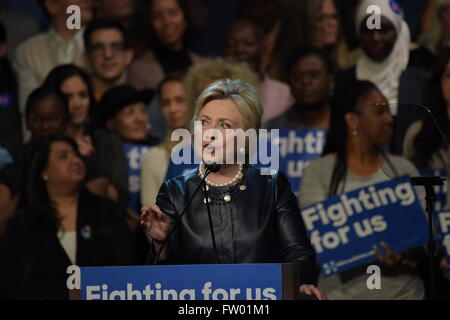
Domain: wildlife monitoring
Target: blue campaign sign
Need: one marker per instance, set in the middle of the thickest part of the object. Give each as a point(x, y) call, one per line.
point(183, 282)
point(443, 227)
point(297, 148)
point(135, 153)
point(344, 228)
point(441, 191)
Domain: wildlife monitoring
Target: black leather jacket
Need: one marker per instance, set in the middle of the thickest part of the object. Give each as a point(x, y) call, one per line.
point(261, 224)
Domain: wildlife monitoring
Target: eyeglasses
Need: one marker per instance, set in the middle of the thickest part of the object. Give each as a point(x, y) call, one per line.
point(101, 47)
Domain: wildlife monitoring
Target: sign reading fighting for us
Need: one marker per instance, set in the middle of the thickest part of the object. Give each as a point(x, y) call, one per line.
point(344, 228)
point(183, 282)
point(443, 227)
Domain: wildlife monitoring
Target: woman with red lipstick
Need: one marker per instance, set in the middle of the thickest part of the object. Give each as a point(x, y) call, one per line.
point(255, 217)
point(60, 223)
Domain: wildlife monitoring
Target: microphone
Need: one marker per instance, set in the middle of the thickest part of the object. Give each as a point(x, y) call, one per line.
point(213, 167)
point(209, 168)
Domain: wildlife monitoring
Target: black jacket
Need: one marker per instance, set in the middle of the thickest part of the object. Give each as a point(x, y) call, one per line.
point(261, 224)
point(33, 263)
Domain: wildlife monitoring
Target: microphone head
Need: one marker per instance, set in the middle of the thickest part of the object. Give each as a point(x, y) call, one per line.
point(212, 167)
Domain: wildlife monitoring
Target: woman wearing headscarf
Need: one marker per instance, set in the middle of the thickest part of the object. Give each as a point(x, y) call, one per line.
point(385, 40)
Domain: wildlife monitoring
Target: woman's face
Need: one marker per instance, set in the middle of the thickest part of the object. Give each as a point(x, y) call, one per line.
point(445, 83)
point(243, 45)
point(378, 43)
point(328, 25)
point(310, 82)
point(219, 115)
point(77, 94)
point(375, 122)
point(64, 166)
point(168, 21)
point(47, 117)
point(131, 123)
point(173, 103)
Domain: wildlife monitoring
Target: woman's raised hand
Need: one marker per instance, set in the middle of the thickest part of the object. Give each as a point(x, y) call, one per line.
point(155, 223)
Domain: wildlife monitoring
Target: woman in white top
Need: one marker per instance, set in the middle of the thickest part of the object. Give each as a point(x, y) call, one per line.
point(361, 124)
point(176, 113)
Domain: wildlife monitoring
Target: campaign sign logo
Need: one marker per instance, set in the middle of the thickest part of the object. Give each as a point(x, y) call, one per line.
point(443, 227)
point(297, 149)
point(135, 154)
point(344, 228)
point(183, 282)
point(441, 191)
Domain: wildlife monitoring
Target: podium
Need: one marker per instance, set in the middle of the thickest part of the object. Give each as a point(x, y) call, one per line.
point(189, 282)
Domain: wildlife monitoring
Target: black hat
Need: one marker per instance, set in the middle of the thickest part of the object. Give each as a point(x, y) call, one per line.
point(117, 98)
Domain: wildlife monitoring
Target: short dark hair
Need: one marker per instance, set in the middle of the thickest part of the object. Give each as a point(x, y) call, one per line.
point(42, 93)
point(304, 51)
point(102, 24)
point(175, 76)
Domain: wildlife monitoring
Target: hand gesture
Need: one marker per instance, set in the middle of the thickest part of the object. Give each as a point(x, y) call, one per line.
point(312, 290)
point(85, 145)
point(155, 223)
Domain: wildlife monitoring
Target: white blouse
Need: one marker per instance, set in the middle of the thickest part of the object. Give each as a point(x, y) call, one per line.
point(68, 241)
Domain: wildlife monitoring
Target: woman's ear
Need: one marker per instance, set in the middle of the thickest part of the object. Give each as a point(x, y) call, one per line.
point(351, 119)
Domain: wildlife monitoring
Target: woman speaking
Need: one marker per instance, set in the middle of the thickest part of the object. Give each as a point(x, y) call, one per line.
point(254, 218)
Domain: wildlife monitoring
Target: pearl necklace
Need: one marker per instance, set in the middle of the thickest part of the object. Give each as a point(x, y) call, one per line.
point(238, 176)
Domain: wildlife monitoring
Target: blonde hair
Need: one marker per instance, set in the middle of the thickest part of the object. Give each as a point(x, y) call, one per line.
point(242, 94)
point(203, 74)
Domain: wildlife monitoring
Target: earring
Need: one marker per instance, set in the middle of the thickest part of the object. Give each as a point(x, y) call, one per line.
point(45, 178)
point(355, 132)
point(242, 150)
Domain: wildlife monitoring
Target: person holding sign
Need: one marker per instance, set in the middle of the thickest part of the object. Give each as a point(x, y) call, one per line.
point(361, 124)
point(255, 216)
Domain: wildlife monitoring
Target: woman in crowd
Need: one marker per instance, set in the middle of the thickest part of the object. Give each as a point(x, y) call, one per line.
point(424, 145)
point(173, 102)
point(172, 28)
point(46, 113)
point(244, 43)
point(255, 216)
point(101, 149)
point(360, 125)
point(60, 223)
point(123, 111)
point(385, 62)
point(436, 26)
point(325, 31)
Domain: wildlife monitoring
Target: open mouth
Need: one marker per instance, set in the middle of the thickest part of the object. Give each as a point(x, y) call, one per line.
point(209, 148)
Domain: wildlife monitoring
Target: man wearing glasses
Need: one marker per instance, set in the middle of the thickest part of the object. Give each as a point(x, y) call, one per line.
point(107, 53)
